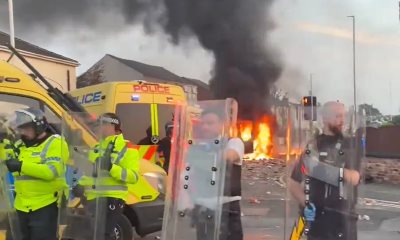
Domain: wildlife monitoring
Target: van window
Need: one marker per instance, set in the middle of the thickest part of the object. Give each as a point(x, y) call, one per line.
point(165, 115)
point(10, 103)
point(135, 120)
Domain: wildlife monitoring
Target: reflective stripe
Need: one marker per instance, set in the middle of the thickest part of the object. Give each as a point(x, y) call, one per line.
point(25, 177)
point(104, 173)
point(46, 147)
point(57, 159)
point(156, 119)
point(153, 129)
point(150, 152)
point(120, 155)
point(54, 170)
point(137, 176)
point(124, 175)
point(107, 188)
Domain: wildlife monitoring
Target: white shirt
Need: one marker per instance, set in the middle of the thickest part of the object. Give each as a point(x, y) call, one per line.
point(237, 145)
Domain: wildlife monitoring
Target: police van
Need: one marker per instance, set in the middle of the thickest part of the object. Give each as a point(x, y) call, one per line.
point(143, 107)
point(19, 90)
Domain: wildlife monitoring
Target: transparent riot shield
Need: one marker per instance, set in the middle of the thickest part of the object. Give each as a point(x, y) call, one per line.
point(8, 214)
point(83, 212)
point(324, 177)
point(200, 179)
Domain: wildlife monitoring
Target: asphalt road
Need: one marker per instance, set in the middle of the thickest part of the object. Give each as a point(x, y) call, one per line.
point(264, 216)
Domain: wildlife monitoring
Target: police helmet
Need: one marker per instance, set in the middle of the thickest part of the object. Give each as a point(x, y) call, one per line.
point(110, 118)
point(33, 118)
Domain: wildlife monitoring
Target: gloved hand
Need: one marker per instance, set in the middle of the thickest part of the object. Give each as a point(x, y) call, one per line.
point(109, 165)
point(106, 164)
point(14, 165)
point(310, 212)
point(78, 191)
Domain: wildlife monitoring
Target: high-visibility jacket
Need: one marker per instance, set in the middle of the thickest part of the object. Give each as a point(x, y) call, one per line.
point(10, 150)
point(6, 151)
point(41, 180)
point(124, 170)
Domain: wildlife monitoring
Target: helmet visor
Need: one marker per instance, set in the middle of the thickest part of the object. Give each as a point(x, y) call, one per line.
point(23, 119)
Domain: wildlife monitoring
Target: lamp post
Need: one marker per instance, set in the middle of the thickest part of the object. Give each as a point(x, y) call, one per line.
point(354, 66)
point(11, 19)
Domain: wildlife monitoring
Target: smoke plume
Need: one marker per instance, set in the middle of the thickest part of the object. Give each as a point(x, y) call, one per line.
point(235, 31)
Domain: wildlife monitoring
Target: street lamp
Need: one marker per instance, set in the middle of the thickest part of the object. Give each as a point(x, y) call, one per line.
point(11, 19)
point(354, 66)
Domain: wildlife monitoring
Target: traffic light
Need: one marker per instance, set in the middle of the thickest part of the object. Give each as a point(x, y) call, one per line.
point(310, 108)
point(307, 101)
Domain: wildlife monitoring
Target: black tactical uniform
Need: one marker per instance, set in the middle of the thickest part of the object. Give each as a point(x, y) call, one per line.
point(335, 209)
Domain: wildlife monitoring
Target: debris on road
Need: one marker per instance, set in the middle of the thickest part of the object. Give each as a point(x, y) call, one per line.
point(254, 200)
point(264, 170)
point(363, 217)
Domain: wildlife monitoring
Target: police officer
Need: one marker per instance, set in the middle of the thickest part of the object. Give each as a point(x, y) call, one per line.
point(334, 171)
point(164, 146)
point(39, 176)
point(117, 163)
point(146, 140)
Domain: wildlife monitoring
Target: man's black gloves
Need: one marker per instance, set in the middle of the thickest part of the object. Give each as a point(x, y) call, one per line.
point(14, 165)
point(105, 163)
point(108, 164)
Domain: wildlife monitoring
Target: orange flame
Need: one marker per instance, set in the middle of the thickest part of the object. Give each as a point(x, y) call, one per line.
point(262, 143)
point(246, 134)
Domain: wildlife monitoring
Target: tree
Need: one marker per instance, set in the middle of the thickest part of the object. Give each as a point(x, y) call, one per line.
point(396, 120)
point(369, 109)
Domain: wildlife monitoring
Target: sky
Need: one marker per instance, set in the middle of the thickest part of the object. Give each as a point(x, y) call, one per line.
point(314, 37)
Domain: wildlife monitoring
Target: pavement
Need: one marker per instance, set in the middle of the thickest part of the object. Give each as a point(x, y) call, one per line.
point(269, 213)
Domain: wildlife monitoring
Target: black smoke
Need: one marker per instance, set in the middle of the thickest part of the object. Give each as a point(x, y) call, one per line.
point(235, 31)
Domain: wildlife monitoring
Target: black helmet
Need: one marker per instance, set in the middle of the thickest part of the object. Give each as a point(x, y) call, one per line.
point(111, 118)
point(31, 117)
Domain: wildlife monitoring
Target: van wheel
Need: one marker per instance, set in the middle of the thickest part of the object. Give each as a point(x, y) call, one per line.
point(123, 229)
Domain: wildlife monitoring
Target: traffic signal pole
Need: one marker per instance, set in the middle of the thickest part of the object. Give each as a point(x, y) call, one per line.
point(312, 104)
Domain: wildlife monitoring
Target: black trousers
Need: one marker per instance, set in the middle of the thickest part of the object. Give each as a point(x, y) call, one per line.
point(331, 225)
point(231, 224)
point(40, 224)
point(99, 221)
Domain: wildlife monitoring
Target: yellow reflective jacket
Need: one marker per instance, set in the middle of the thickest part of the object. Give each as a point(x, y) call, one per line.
point(124, 170)
point(42, 177)
point(6, 150)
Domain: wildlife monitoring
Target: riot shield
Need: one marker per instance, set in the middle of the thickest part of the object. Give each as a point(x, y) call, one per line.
point(8, 214)
point(323, 179)
point(82, 215)
point(195, 199)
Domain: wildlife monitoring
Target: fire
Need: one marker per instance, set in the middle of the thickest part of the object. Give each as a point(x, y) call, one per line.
point(262, 142)
point(246, 134)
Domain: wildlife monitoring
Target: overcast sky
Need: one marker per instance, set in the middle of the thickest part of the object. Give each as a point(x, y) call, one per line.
point(314, 36)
